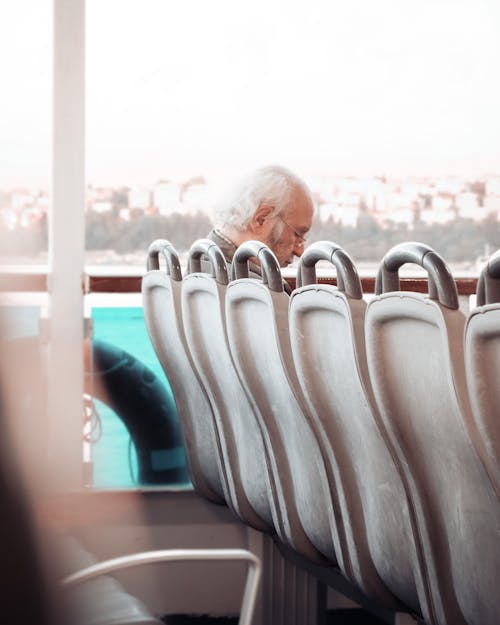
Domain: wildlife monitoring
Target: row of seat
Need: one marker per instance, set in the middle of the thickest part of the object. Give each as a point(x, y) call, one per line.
point(361, 435)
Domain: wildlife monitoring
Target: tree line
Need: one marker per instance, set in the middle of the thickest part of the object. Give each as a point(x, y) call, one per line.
point(462, 240)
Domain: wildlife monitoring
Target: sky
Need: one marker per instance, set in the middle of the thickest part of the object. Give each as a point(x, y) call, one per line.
point(177, 89)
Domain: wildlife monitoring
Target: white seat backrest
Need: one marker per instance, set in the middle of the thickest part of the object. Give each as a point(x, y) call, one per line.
point(327, 338)
point(241, 442)
point(257, 325)
point(415, 356)
point(162, 314)
point(482, 364)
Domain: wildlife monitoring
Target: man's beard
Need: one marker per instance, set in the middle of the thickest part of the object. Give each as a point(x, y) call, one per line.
point(275, 243)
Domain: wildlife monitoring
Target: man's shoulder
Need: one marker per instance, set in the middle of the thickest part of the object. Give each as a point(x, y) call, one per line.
point(226, 246)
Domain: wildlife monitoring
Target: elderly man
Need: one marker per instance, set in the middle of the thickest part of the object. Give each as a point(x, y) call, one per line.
point(271, 205)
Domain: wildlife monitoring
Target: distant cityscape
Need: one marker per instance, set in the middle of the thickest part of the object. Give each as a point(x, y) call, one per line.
point(438, 200)
point(342, 202)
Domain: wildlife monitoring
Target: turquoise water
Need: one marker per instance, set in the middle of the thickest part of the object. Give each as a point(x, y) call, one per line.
point(113, 455)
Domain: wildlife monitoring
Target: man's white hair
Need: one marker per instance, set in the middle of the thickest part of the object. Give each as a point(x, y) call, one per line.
point(271, 185)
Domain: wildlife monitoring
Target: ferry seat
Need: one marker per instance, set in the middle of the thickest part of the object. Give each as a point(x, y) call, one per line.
point(415, 356)
point(257, 330)
point(328, 347)
point(482, 365)
point(161, 296)
point(100, 600)
point(245, 465)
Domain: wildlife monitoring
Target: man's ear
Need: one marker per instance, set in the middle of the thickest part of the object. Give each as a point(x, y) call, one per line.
point(260, 218)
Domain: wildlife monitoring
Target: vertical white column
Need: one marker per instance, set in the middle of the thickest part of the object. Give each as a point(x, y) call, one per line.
point(66, 248)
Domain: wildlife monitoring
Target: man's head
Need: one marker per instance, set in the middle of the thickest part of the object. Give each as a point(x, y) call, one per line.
point(271, 205)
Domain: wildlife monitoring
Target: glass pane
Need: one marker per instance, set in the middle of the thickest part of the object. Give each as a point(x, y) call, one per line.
point(389, 110)
point(25, 130)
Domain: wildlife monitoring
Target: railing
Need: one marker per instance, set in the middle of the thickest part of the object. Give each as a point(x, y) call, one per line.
point(25, 281)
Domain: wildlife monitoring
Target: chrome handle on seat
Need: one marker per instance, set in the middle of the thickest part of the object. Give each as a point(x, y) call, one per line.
point(166, 249)
point(348, 279)
point(488, 284)
point(206, 247)
point(271, 272)
point(442, 286)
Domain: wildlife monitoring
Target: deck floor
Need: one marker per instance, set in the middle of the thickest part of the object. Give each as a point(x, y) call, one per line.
point(334, 617)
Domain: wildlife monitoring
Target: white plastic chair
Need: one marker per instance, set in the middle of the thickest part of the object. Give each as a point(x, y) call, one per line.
point(178, 555)
point(245, 463)
point(161, 296)
point(482, 365)
point(328, 345)
point(414, 348)
point(257, 329)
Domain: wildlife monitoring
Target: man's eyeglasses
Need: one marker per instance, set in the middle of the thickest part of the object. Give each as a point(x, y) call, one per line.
point(301, 239)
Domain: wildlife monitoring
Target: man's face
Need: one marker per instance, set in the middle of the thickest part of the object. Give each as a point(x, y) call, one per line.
point(287, 238)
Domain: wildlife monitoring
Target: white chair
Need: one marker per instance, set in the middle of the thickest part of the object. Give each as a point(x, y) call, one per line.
point(415, 357)
point(482, 365)
point(328, 345)
point(112, 606)
point(245, 463)
point(161, 296)
point(257, 330)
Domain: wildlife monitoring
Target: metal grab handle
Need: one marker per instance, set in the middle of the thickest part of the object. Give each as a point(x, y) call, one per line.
point(348, 279)
point(442, 286)
point(271, 272)
point(182, 555)
point(206, 247)
point(164, 247)
point(488, 284)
